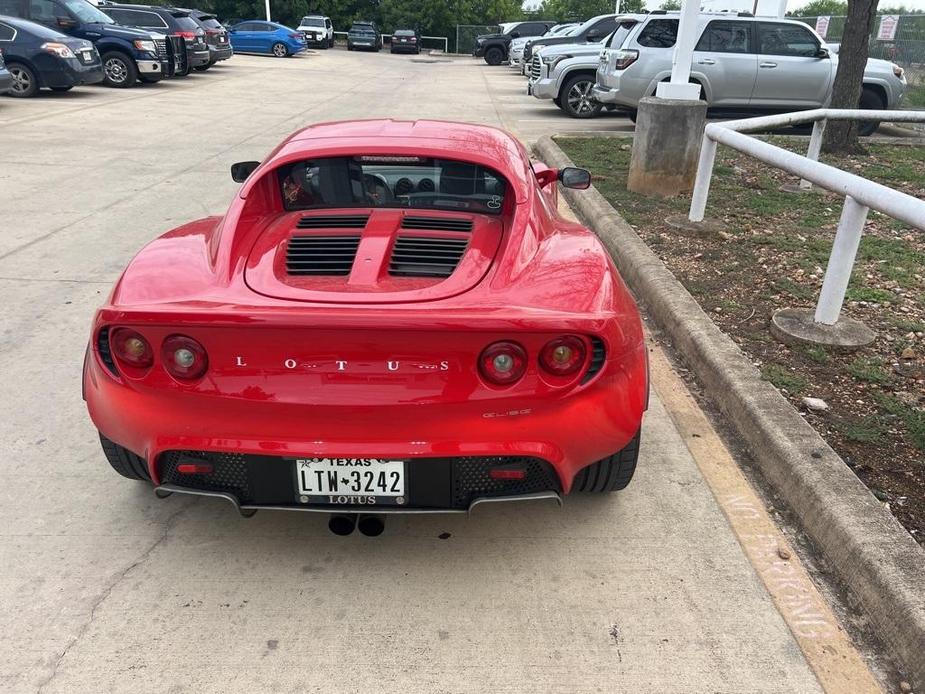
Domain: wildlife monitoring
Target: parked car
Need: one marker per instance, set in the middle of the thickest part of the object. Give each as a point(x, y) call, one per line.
point(38, 57)
point(516, 49)
point(6, 79)
point(743, 64)
point(494, 48)
point(258, 36)
point(364, 35)
point(485, 348)
point(592, 31)
point(216, 37)
point(127, 54)
point(165, 20)
point(566, 74)
point(405, 41)
point(318, 30)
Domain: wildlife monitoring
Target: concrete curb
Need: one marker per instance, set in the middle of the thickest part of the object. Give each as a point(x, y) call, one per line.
point(869, 551)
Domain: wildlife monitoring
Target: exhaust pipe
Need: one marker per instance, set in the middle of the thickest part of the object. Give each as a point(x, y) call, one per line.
point(371, 526)
point(342, 524)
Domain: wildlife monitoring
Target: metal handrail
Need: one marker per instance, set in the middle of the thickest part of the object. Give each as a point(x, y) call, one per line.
point(861, 194)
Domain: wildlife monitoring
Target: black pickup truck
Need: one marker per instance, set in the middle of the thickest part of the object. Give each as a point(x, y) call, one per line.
point(494, 47)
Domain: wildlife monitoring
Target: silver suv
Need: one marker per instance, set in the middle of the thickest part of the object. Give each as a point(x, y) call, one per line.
point(742, 63)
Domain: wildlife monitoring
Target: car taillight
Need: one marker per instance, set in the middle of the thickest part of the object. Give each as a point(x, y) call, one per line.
point(898, 71)
point(412, 39)
point(296, 36)
point(503, 363)
point(563, 356)
point(191, 35)
point(131, 348)
point(507, 473)
point(184, 358)
point(625, 58)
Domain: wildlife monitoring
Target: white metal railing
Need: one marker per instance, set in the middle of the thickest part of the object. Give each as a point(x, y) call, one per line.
point(389, 37)
point(861, 195)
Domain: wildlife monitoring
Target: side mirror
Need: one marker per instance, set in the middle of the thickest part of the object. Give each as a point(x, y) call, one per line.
point(515, 34)
point(823, 52)
point(65, 22)
point(242, 169)
point(573, 177)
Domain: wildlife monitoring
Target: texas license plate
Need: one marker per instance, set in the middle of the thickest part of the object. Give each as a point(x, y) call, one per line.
point(346, 480)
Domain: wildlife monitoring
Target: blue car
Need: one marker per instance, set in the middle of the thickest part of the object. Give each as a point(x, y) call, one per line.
point(256, 36)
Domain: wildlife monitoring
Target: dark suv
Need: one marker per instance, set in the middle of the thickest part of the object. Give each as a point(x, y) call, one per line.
point(494, 47)
point(166, 20)
point(592, 31)
point(216, 37)
point(128, 54)
point(364, 35)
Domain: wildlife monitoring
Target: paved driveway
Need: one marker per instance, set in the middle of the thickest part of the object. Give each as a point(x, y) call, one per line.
point(105, 588)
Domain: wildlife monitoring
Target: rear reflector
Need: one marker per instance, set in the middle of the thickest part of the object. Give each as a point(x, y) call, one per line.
point(507, 474)
point(194, 468)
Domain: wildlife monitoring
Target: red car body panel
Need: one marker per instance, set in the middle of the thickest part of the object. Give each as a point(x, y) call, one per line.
point(371, 365)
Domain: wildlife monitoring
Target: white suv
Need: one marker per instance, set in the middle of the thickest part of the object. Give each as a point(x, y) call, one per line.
point(317, 30)
point(742, 63)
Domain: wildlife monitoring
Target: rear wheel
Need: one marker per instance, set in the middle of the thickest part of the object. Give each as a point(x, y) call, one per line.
point(612, 473)
point(280, 50)
point(873, 101)
point(575, 97)
point(25, 83)
point(118, 70)
point(494, 56)
point(124, 461)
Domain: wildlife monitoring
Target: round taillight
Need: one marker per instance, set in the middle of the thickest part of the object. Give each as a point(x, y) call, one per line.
point(563, 356)
point(184, 358)
point(503, 363)
point(131, 348)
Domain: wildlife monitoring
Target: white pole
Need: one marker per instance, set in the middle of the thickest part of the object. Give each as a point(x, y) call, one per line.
point(815, 146)
point(679, 87)
point(616, 7)
point(267, 2)
point(702, 184)
point(782, 8)
point(838, 271)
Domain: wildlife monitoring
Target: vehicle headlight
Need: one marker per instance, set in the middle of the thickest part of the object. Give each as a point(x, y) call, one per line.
point(556, 60)
point(898, 71)
point(144, 45)
point(58, 49)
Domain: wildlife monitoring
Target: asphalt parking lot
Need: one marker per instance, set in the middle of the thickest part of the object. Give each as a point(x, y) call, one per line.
point(106, 588)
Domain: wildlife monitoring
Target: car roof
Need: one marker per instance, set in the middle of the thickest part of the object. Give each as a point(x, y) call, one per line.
point(27, 27)
point(172, 11)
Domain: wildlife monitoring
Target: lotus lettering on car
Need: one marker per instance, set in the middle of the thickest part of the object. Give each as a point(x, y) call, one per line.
point(390, 314)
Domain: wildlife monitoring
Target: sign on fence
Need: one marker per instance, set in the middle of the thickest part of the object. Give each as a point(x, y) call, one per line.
point(887, 31)
point(822, 26)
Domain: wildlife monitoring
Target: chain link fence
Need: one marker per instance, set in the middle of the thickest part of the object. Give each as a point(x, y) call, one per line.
point(466, 33)
point(897, 38)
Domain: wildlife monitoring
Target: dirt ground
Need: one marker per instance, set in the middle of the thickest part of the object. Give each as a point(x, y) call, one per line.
point(771, 254)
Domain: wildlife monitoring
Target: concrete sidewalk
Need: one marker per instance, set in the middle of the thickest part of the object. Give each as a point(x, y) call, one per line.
point(105, 588)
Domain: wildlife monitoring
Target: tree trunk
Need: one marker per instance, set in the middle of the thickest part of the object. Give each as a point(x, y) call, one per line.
point(842, 136)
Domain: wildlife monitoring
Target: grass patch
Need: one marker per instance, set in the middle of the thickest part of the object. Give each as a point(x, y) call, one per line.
point(788, 286)
point(915, 96)
point(866, 430)
point(913, 419)
point(907, 326)
point(817, 354)
point(870, 370)
point(784, 379)
point(871, 294)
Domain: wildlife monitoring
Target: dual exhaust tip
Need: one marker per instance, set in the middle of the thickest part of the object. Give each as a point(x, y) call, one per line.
point(345, 524)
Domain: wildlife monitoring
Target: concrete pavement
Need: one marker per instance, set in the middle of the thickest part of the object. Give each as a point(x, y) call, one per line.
point(105, 588)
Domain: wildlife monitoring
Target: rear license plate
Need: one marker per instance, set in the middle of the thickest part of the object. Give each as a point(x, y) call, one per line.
point(343, 480)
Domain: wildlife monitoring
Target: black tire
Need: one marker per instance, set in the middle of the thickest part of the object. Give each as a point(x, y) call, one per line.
point(349, 47)
point(124, 461)
point(610, 474)
point(150, 79)
point(279, 49)
point(25, 81)
point(632, 115)
point(870, 99)
point(61, 89)
point(494, 56)
point(119, 70)
point(557, 101)
point(575, 97)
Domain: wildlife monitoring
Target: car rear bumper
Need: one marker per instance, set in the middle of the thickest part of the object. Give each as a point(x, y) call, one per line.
point(199, 57)
point(604, 95)
point(402, 48)
point(219, 53)
point(6, 81)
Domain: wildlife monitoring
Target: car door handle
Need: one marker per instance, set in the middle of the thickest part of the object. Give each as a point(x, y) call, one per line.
point(706, 61)
point(767, 65)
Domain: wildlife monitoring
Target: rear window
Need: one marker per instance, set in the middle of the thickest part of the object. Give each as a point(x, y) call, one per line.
point(404, 32)
point(312, 22)
point(362, 27)
point(399, 182)
point(659, 33)
point(210, 23)
point(620, 33)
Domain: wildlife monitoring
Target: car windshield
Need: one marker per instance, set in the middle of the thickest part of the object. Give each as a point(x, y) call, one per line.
point(312, 22)
point(391, 181)
point(86, 12)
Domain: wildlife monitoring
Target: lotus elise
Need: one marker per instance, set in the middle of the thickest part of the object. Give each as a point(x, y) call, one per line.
point(390, 317)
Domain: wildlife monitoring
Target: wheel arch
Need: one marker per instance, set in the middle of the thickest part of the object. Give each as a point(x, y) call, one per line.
point(29, 64)
point(877, 89)
point(570, 72)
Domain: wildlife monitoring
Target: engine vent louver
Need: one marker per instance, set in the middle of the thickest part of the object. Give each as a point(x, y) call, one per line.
point(598, 355)
point(321, 255)
point(102, 346)
point(437, 223)
point(334, 221)
point(421, 256)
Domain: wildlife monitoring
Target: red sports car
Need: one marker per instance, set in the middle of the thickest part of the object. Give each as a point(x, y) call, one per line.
point(391, 314)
